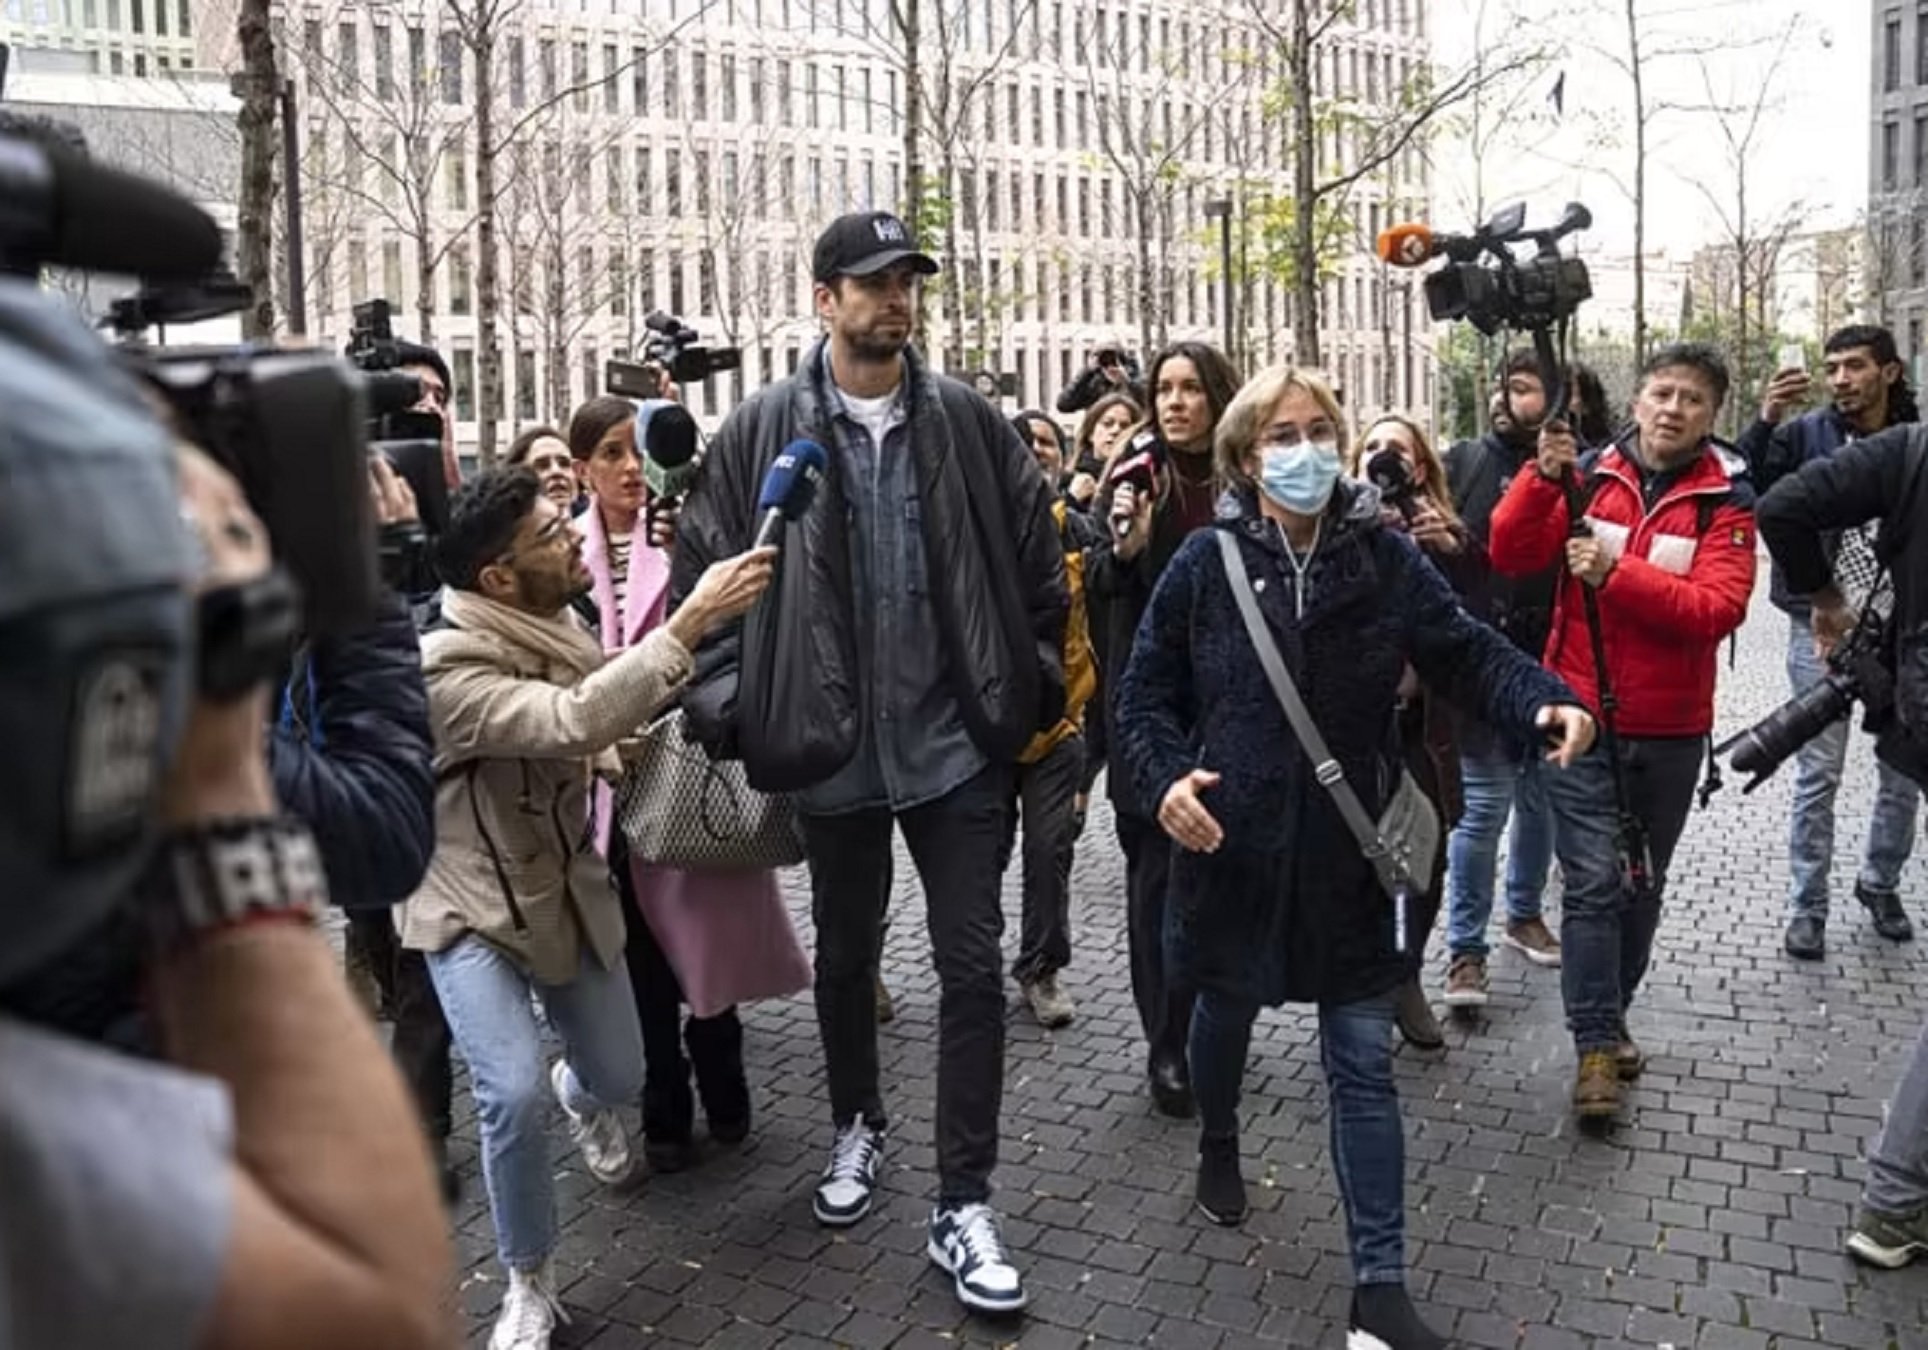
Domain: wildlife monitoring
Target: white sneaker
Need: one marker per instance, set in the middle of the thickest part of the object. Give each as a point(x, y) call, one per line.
point(965, 1242)
point(530, 1311)
point(843, 1196)
point(601, 1136)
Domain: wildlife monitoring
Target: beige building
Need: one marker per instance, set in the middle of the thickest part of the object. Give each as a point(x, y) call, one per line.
point(1897, 243)
point(101, 37)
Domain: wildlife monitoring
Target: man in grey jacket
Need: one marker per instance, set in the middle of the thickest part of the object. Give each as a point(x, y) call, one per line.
point(910, 654)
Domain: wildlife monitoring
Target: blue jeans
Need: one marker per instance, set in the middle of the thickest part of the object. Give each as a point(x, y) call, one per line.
point(1606, 929)
point(1897, 1182)
point(486, 998)
point(1495, 783)
point(1368, 1140)
point(1817, 777)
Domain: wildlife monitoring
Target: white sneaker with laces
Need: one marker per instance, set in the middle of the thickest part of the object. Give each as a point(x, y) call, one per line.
point(964, 1241)
point(600, 1135)
point(530, 1311)
point(850, 1177)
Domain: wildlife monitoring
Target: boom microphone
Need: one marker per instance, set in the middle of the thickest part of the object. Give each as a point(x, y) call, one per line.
point(788, 488)
point(1136, 469)
point(59, 208)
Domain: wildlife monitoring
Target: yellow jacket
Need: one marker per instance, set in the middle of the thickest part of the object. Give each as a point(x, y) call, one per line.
point(1080, 664)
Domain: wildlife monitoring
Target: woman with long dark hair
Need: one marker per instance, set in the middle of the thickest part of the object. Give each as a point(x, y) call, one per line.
point(1191, 385)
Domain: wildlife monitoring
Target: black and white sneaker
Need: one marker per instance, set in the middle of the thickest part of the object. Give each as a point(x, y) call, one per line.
point(1383, 1318)
point(965, 1242)
point(843, 1196)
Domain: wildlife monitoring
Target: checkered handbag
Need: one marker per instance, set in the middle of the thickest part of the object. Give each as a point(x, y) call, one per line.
point(677, 807)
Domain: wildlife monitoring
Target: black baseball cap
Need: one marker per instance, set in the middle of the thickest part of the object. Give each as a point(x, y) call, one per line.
point(864, 242)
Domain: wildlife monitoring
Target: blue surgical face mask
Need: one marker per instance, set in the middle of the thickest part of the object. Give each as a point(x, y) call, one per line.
point(1300, 477)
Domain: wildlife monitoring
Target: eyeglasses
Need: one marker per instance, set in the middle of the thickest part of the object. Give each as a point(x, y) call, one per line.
point(1285, 437)
point(546, 537)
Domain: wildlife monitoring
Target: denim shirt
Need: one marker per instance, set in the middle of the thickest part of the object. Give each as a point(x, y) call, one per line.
point(915, 746)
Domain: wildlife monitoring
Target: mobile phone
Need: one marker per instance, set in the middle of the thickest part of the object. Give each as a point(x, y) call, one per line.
point(1793, 357)
point(632, 379)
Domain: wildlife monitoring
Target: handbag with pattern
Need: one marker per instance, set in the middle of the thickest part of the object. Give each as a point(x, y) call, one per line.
point(679, 808)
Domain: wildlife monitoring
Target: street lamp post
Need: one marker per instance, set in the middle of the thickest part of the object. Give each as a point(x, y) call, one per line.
point(1220, 209)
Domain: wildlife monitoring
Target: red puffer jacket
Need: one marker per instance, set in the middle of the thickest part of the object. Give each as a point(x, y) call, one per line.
point(1680, 584)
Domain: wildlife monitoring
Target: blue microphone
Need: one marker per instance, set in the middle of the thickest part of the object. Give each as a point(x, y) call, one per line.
point(789, 487)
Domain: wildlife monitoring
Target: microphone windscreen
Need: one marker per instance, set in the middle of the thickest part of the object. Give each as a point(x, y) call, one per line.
point(108, 221)
point(791, 481)
point(669, 434)
point(1406, 245)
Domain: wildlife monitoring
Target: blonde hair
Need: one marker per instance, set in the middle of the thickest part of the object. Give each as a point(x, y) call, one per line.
point(1246, 416)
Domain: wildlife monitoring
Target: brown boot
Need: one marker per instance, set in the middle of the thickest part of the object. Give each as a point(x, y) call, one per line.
point(886, 1009)
point(1596, 1088)
point(1628, 1058)
point(1414, 1018)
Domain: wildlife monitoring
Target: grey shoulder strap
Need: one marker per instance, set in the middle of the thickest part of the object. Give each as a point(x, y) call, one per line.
point(1325, 768)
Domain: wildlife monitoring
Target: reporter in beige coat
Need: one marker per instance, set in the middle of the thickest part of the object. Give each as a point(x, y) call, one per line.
point(526, 711)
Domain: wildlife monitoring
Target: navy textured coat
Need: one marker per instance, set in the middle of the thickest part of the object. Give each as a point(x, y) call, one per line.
point(1288, 910)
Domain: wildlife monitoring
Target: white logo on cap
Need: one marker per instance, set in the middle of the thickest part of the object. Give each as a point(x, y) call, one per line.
point(889, 230)
point(116, 730)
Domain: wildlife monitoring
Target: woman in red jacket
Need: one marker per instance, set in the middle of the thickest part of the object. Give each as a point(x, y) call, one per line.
point(1668, 553)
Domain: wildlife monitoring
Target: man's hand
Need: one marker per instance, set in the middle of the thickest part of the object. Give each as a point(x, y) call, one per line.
point(1083, 488)
point(1785, 389)
point(1185, 818)
point(1434, 533)
point(1129, 501)
point(1589, 560)
point(725, 591)
point(1571, 731)
point(394, 499)
point(1832, 619)
point(1559, 452)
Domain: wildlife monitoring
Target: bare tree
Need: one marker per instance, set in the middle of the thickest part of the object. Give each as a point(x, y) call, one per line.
point(1366, 134)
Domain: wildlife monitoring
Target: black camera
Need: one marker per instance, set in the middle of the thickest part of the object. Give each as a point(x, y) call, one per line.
point(672, 348)
point(1859, 668)
point(1388, 471)
point(408, 438)
point(1537, 292)
point(288, 424)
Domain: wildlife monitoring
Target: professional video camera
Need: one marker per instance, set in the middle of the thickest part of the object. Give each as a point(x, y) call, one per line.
point(1537, 292)
point(1860, 667)
point(672, 348)
point(408, 438)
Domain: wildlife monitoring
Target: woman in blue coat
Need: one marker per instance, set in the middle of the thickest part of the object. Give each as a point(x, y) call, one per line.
point(1271, 898)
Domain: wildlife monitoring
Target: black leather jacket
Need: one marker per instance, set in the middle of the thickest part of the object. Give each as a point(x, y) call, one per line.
point(783, 688)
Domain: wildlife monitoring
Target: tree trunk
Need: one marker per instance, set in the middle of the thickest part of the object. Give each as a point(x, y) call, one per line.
point(1639, 185)
point(558, 344)
point(1305, 242)
point(909, 21)
point(1147, 277)
point(254, 223)
point(425, 283)
point(488, 297)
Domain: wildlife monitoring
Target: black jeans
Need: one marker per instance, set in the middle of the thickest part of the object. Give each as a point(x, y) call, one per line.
point(1046, 792)
point(955, 842)
point(715, 1044)
point(1164, 1008)
point(421, 1041)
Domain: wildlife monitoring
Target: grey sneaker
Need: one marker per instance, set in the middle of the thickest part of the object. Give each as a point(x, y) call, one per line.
point(1533, 940)
point(1466, 982)
point(1049, 1003)
point(1890, 1241)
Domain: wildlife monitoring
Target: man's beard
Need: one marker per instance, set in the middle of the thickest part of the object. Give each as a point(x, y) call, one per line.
point(873, 346)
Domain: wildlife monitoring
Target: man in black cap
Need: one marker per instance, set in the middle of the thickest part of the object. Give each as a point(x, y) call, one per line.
point(907, 652)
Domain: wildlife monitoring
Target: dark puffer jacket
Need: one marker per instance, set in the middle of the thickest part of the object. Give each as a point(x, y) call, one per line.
point(783, 687)
point(1288, 910)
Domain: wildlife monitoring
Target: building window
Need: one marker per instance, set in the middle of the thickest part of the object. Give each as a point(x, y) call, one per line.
point(618, 284)
point(525, 386)
point(613, 181)
point(461, 296)
point(546, 67)
point(672, 95)
point(579, 74)
point(451, 67)
point(1891, 54)
point(673, 182)
point(184, 28)
point(1921, 149)
point(1890, 155)
point(1917, 253)
point(392, 269)
point(700, 86)
point(1921, 45)
point(458, 179)
point(464, 372)
point(591, 376)
point(756, 91)
point(726, 77)
point(612, 87)
point(385, 63)
point(638, 82)
point(140, 24)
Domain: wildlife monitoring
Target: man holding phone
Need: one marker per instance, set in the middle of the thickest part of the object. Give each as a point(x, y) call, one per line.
point(1869, 391)
point(1112, 371)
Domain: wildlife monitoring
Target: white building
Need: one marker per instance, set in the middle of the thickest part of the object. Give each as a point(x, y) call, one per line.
point(101, 37)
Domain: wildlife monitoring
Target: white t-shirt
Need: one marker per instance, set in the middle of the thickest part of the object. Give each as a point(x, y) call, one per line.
point(115, 1204)
point(873, 414)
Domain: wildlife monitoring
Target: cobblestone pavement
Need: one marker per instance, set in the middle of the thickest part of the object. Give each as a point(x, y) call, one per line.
point(1711, 1218)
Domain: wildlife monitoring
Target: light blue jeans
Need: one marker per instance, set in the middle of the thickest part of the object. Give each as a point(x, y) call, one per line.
point(1495, 783)
point(485, 996)
point(1817, 777)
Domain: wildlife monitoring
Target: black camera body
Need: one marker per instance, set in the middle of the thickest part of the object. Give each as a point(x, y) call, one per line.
point(409, 439)
point(1506, 291)
point(674, 349)
point(1859, 669)
point(1388, 471)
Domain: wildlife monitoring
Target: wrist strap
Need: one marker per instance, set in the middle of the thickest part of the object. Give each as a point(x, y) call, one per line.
point(228, 873)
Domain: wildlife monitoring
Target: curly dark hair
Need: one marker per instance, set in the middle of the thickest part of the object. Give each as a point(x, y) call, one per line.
point(483, 518)
point(1902, 406)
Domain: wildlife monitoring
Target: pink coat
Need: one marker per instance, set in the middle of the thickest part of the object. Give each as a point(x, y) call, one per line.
point(726, 934)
